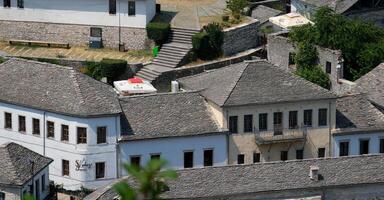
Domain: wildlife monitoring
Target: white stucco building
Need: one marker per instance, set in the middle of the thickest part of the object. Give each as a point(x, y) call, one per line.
point(71, 21)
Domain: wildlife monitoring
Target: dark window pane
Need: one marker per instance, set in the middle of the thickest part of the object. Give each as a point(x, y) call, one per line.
point(248, 123)
point(50, 129)
point(256, 157)
point(96, 32)
point(131, 8)
point(328, 67)
point(263, 121)
point(135, 160)
point(112, 6)
point(323, 117)
point(284, 155)
point(233, 124)
point(364, 147)
point(20, 3)
point(278, 123)
point(100, 170)
point(65, 167)
point(188, 159)
point(22, 124)
point(240, 159)
point(2, 196)
point(344, 148)
point(381, 145)
point(155, 156)
point(36, 126)
point(8, 120)
point(81, 135)
point(321, 152)
point(292, 119)
point(208, 157)
point(64, 132)
point(299, 154)
point(308, 118)
point(43, 186)
point(101, 135)
point(7, 3)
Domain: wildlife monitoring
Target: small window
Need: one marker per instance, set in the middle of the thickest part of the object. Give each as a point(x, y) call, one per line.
point(131, 8)
point(233, 124)
point(96, 32)
point(100, 170)
point(284, 155)
point(7, 3)
point(308, 118)
point(43, 186)
point(20, 3)
point(248, 123)
point(323, 117)
point(2, 196)
point(155, 156)
point(344, 148)
point(321, 153)
point(35, 126)
point(240, 159)
point(65, 167)
point(299, 154)
point(8, 120)
point(291, 60)
point(81, 135)
point(364, 147)
point(256, 157)
point(278, 123)
point(64, 133)
point(112, 7)
point(101, 135)
point(208, 157)
point(328, 67)
point(381, 145)
point(50, 129)
point(188, 159)
point(263, 121)
point(292, 119)
point(22, 124)
point(135, 160)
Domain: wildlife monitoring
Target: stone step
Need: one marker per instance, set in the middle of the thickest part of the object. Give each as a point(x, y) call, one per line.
point(145, 77)
point(185, 41)
point(175, 45)
point(184, 30)
point(149, 71)
point(147, 74)
point(175, 51)
point(167, 62)
point(168, 58)
point(175, 55)
point(182, 34)
point(165, 65)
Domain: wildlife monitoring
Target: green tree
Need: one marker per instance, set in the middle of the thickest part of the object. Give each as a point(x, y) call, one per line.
point(315, 75)
point(207, 44)
point(150, 180)
point(306, 55)
point(236, 7)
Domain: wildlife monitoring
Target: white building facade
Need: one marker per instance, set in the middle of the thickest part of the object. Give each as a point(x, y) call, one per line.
point(360, 143)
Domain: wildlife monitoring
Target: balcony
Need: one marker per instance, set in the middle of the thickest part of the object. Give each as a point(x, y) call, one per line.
point(280, 135)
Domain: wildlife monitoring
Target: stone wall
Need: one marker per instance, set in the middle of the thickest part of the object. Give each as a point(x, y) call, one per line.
point(134, 38)
point(240, 38)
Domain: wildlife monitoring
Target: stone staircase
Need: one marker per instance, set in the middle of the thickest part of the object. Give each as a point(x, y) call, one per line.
point(172, 54)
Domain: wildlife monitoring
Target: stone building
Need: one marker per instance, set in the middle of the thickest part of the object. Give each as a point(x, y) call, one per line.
point(271, 114)
point(23, 172)
point(77, 21)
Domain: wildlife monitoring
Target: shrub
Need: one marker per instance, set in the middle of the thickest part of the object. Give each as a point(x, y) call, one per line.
point(207, 44)
point(306, 55)
point(2, 59)
point(158, 31)
point(236, 7)
point(315, 75)
point(200, 43)
point(93, 70)
point(112, 68)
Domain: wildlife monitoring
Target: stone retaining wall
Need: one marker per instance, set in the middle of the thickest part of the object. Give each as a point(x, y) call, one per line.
point(134, 38)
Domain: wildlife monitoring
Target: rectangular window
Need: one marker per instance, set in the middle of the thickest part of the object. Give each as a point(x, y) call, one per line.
point(100, 170)
point(81, 135)
point(101, 135)
point(35, 126)
point(50, 129)
point(64, 133)
point(8, 120)
point(328, 67)
point(131, 8)
point(2, 196)
point(263, 121)
point(278, 123)
point(256, 157)
point(292, 119)
point(155, 156)
point(112, 7)
point(240, 159)
point(321, 153)
point(291, 58)
point(344, 148)
point(22, 124)
point(284, 155)
point(208, 157)
point(188, 159)
point(299, 154)
point(364, 147)
point(308, 118)
point(96, 32)
point(43, 186)
point(135, 160)
point(381, 145)
point(20, 3)
point(65, 167)
point(323, 117)
point(7, 3)
point(233, 124)
point(248, 123)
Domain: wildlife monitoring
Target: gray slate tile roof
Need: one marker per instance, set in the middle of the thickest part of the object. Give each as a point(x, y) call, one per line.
point(263, 13)
point(16, 164)
point(55, 88)
point(222, 182)
point(372, 83)
point(356, 111)
point(257, 82)
point(166, 115)
point(339, 6)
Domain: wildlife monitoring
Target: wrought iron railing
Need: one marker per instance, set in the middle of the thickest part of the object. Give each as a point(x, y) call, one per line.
point(279, 134)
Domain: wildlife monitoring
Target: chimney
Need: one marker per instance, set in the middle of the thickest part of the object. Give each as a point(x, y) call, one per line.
point(174, 86)
point(314, 172)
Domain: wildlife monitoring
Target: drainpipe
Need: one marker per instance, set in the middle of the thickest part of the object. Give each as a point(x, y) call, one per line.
point(44, 127)
point(228, 135)
point(330, 129)
point(117, 150)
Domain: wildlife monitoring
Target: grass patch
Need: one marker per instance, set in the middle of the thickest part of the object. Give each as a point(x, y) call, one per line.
point(219, 19)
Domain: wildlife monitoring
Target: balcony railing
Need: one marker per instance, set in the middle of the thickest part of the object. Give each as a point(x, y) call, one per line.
point(278, 135)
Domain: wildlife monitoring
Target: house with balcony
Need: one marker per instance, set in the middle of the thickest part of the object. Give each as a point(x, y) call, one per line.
point(77, 22)
point(271, 113)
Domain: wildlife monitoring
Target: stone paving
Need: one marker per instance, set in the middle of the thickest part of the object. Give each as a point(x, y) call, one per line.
point(75, 53)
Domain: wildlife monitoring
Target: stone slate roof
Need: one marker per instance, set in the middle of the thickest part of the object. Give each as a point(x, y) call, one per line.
point(166, 115)
point(55, 88)
point(356, 111)
point(227, 181)
point(372, 83)
point(339, 6)
point(257, 82)
point(263, 13)
point(16, 164)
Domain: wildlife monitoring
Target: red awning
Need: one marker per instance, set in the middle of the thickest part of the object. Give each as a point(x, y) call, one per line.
point(135, 80)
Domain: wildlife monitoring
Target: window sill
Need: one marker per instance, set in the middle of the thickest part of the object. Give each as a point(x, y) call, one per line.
point(8, 129)
point(36, 135)
point(22, 132)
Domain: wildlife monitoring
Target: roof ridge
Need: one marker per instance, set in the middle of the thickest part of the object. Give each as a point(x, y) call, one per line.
point(74, 76)
point(156, 94)
point(234, 84)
